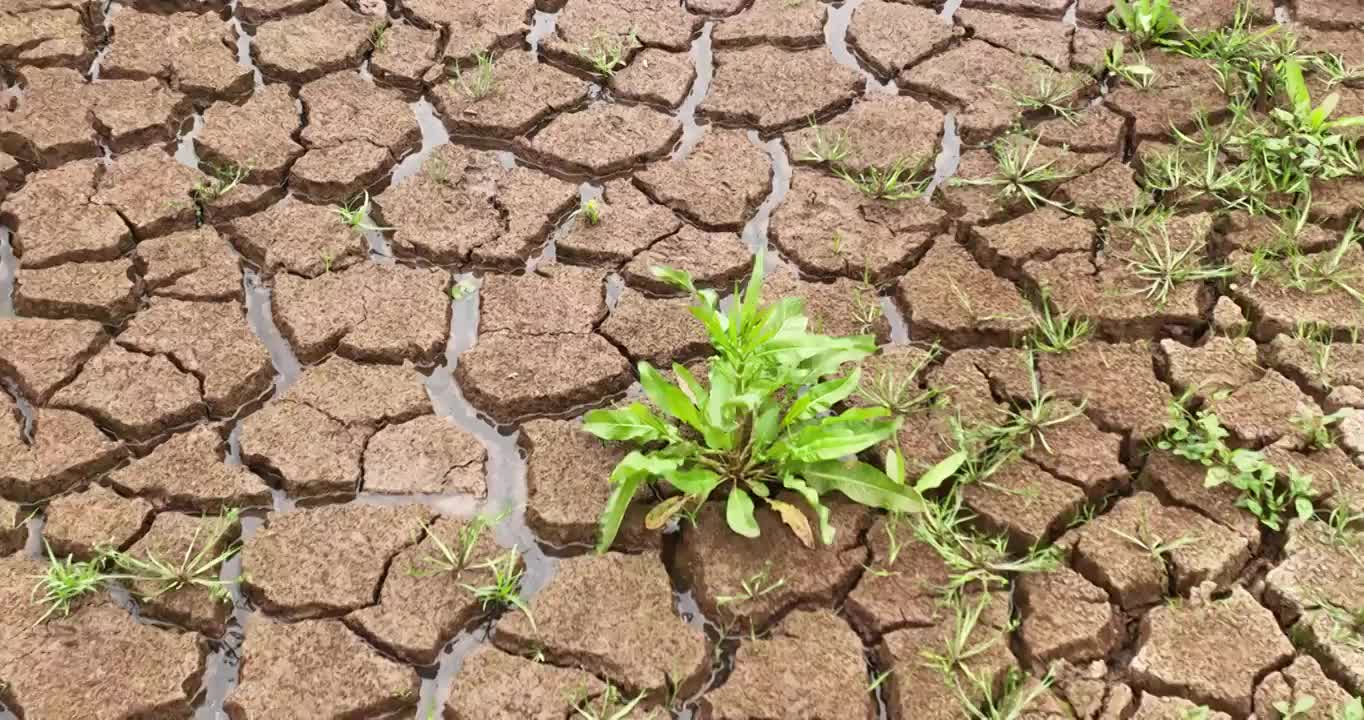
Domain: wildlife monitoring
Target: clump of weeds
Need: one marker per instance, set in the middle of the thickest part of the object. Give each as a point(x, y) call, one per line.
point(828, 146)
point(606, 52)
point(222, 180)
point(478, 82)
point(355, 215)
point(1019, 175)
point(895, 182)
point(199, 567)
point(64, 581)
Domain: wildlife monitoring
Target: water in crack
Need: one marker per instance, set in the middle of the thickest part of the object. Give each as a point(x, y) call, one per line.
point(541, 26)
point(836, 21)
point(703, 60)
point(9, 267)
point(506, 477)
point(587, 192)
point(185, 152)
point(287, 367)
point(755, 230)
point(222, 669)
point(108, 24)
point(434, 135)
point(949, 9)
point(949, 156)
point(26, 414)
point(436, 686)
point(899, 329)
point(244, 45)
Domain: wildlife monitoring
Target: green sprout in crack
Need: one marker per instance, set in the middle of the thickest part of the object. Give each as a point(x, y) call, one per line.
point(899, 395)
point(1018, 176)
point(457, 558)
point(355, 215)
point(1052, 93)
point(1315, 428)
point(1152, 544)
point(1030, 421)
point(975, 561)
point(610, 705)
point(866, 305)
point(1055, 332)
point(1138, 74)
point(64, 581)
point(589, 210)
point(222, 180)
point(1320, 341)
point(505, 589)
point(896, 182)
point(828, 146)
point(199, 567)
point(606, 52)
point(755, 586)
point(1146, 21)
point(378, 36)
point(463, 288)
point(1324, 272)
point(477, 83)
point(962, 645)
point(1159, 266)
point(1332, 67)
point(1011, 699)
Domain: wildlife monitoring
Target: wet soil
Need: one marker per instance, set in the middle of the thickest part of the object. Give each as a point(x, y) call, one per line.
point(189, 323)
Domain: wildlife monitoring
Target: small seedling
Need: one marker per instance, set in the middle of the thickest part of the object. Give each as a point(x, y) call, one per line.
point(828, 146)
point(355, 215)
point(1160, 266)
point(606, 52)
point(1147, 21)
point(755, 586)
point(504, 590)
point(1316, 428)
point(962, 645)
point(610, 705)
point(1138, 74)
point(866, 305)
point(589, 210)
point(454, 559)
point(1152, 544)
point(900, 395)
point(1332, 67)
point(878, 679)
point(1011, 699)
point(1057, 332)
point(480, 83)
point(1030, 421)
point(890, 183)
point(1052, 93)
point(1018, 177)
point(463, 289)
point(975, 560)
point(64, 582)
point(199, 567)
point(378, 36)
point(222, 179)
point(1296, 709)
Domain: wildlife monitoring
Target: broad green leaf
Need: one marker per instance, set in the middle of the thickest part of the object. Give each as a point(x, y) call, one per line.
point(766, 427)
point(673, 276)
point(895, 466)
point(739, 513)
point(862, 483)
point(660, 514)
point(1325, 109)
point(614, 512)
point(668, 396)
point(832, 441)
point(796, 520)
point(641, 466)
point(721, 392)
point(633, 422)
point(798, 486)
point(1296, 87)
point(935, 475)
point(693, 481)
point(753, 293)
point(821, 397)
point(693, 388)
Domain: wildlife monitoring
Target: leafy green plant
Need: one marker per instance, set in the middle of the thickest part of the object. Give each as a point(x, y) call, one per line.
point(1240, 53)
point(505, 589)
point(1138, 74)
point(606, 52)
point(831, 147)
point(1352, 709)
point(589, 210)
point(1296, 709)
point(199, 567)
point(1201, 438)
point(1147, 21)
point(64, 581)
point(1324, 272)
point(1017, 176)
point(974, 560)
point(1334, 70)
point(1011, 699)
point(378, 36)
point(480, 83)
point(1055, 332)
point(222, 180)
point(895, 182)
point(753, 431)
point(355, 215)
point(1316, 427)
point(610, 705)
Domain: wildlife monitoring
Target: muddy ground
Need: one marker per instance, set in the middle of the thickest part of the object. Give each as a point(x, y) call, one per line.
point(165, 355)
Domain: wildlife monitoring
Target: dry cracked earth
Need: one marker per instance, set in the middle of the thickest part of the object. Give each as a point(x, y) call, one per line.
point(167, 354)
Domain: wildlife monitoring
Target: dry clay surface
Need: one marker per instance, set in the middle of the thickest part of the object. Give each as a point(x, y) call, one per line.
point(310, 279)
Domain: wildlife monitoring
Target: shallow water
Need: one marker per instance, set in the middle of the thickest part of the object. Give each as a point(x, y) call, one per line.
point(703, 61)
point(9, 267)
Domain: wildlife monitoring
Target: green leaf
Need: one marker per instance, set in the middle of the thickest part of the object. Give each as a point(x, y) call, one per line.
point(633, 422)
point(614, 512)
point(821, 397)
point(660, 514)
point(834, 438)
point(798, 486)
point(693, 481)
point(673, 276)
point(940, 472)
point(739, 513)
point(863, 484)
point(690, 385)
point(753, 293)
point(766, 427)
point(895, 466)
point(668, 396)
point(641, 466)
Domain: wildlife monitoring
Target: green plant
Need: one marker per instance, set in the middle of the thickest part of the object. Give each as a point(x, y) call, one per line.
point(866, 302)
point(483, 81)
point(975, 560)
point(895, 182)
point(454, 559)
point(1324, 272)
point(1160, 266)
point(1057, 332)
point(755, 586)
point(65, 581)
point(222, 180)
point(463, 288)
point(1298, 708)
point(900, 395)
point(610, 705)
point(1052, 92)
point(1316, 427)
point(1138, 74)
point(1011, 699)
point(754, 429)
point(1352, 709)
point(378, 36)
point(505, 589)
point(1030, 420)
point(355, 215)
point(1152, 544)
point(606, 52)
point(1147, 21)
point(1201, 438)
point(199, 567)
point(833, 147)
point(1016, 175)
point(589, 210)
point(1239, 53)
point(962, 643)
point(1332, 67)
point(1200, 712)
